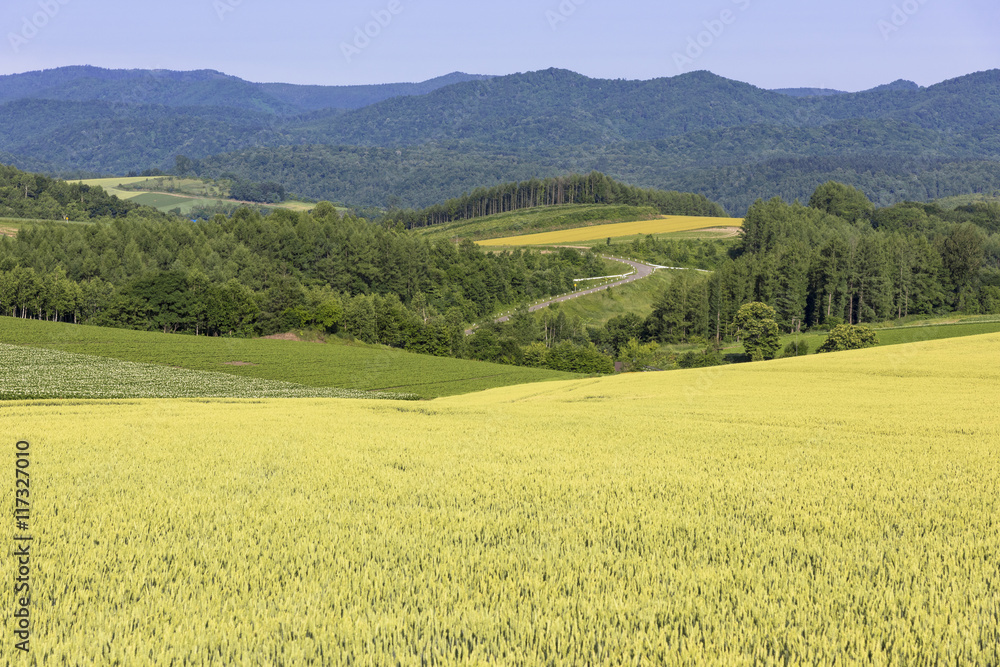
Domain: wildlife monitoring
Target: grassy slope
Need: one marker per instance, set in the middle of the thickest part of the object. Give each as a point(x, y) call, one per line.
point(834, 509)
point(636, 297)
point(545, 218)
point(335, 364)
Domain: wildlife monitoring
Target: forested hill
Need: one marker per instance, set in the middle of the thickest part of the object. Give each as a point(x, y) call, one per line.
point(312, 98)
point(204, 88)
point(560, 108)
point(249, 274)
point(594, 188)
point(697, 132)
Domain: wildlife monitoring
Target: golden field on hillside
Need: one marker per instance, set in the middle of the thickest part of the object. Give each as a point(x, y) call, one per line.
point(837, 508)
point(663, 225)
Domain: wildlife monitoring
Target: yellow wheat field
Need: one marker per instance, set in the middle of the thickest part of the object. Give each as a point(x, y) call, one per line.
point(663, 225)
point(832, 509)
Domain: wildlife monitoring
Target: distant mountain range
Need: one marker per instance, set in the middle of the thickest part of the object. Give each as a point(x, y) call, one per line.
point(900, 84)
point(202, 88)
point(416, 144)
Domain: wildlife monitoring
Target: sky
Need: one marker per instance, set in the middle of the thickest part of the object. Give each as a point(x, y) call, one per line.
point(844, 44)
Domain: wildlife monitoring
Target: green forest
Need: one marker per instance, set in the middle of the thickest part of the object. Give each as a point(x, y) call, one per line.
point(839, 260)
point(250, 275)
point(416, 146)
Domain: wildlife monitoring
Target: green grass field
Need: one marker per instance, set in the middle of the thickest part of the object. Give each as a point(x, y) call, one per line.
point(164, 201)
point(128, 187)
point(114, 181)
point(38, 373)
point(336, 364)
point(636, 297)
point(189, 193)
point(545, 218)
point(964, 200)
point(836, 509)
point(888, 335)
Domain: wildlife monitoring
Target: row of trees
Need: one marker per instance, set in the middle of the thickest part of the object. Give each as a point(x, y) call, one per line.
point(593, 188)
point(25, 195)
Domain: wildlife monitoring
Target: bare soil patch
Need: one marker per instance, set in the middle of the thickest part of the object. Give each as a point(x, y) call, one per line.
point(724, 231)
point(291, 335)
point(288, 335)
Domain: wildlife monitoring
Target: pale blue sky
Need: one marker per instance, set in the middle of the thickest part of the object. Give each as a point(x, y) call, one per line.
point(847, 44)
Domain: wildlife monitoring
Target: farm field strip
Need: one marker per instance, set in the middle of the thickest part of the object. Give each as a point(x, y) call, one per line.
point(113, 181)
point(836, 509)
point(662, 225)
point(902, 335)
point(166, 201)
point(35, 373)
point(333, 365)
point(538, 219)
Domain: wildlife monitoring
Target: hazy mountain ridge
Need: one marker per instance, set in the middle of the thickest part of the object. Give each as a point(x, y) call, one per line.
point(664, 133)
point(313, 98)
point(207, 88)
point(557, 103)
point(808, 92)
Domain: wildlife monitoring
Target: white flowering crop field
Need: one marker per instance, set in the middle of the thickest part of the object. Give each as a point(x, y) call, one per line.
point(34, 373)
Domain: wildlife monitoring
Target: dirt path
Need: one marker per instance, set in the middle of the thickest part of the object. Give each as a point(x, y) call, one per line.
point(640, 269)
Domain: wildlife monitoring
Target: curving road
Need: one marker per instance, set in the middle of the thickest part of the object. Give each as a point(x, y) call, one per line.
point(641, 271)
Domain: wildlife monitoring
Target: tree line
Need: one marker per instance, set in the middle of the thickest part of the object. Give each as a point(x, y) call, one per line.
point(841, 260)
point(251, 274)
point(592, 188)
point(27, 195)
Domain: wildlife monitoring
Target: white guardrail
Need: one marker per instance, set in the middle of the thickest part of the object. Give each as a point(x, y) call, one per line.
point(624, 275)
